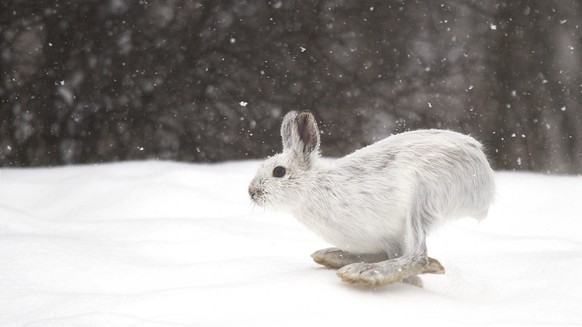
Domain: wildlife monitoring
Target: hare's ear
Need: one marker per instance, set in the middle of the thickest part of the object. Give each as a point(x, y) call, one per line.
point(305, 135)
point(300, 133)
point(287, 128)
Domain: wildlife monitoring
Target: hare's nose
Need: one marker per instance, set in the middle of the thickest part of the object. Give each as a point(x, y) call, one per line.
point(252, 191)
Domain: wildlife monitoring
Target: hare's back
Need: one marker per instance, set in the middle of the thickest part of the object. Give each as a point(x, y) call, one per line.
point(449, 166)
point(431, 140)
point(420, 146)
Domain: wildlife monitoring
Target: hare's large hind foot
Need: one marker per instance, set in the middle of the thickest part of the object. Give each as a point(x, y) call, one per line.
point(335, 258)
point(433, 266)
point(387, 272)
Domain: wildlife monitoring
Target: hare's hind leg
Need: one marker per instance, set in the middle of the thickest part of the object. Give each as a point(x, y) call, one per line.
point(335, 258)
point(389, 271)
point(414, 261)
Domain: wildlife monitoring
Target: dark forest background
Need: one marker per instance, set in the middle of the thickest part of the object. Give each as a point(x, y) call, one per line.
point(105, 80)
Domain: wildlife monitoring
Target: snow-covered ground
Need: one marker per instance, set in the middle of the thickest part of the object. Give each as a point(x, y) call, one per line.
point(169, 244)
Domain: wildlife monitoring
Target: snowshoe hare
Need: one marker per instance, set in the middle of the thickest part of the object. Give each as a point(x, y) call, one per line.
point(378, 204)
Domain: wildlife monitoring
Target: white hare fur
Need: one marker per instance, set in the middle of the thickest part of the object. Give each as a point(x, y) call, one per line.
point(377, 204)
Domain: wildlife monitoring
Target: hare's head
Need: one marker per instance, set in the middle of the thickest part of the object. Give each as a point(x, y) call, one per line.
point(281, 179)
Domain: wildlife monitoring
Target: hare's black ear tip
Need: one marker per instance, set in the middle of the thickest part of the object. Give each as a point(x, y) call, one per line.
point(305, 115)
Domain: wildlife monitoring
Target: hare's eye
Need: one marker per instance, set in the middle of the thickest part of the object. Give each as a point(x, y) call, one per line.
point(279, 171)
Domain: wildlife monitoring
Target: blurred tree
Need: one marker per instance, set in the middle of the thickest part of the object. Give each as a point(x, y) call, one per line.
point(96, 81)
point(537, 73)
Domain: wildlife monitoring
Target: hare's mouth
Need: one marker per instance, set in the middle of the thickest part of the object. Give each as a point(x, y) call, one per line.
point(257, 196)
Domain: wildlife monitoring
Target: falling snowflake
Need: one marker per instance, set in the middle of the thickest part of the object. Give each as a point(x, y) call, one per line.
point(243, 103)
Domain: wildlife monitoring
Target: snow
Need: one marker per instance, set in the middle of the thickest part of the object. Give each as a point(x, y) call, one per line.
point(171, 244)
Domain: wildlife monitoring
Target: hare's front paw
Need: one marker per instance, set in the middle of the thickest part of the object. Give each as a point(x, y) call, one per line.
point(336, 258)
point(331, 258)
point(366, 274)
